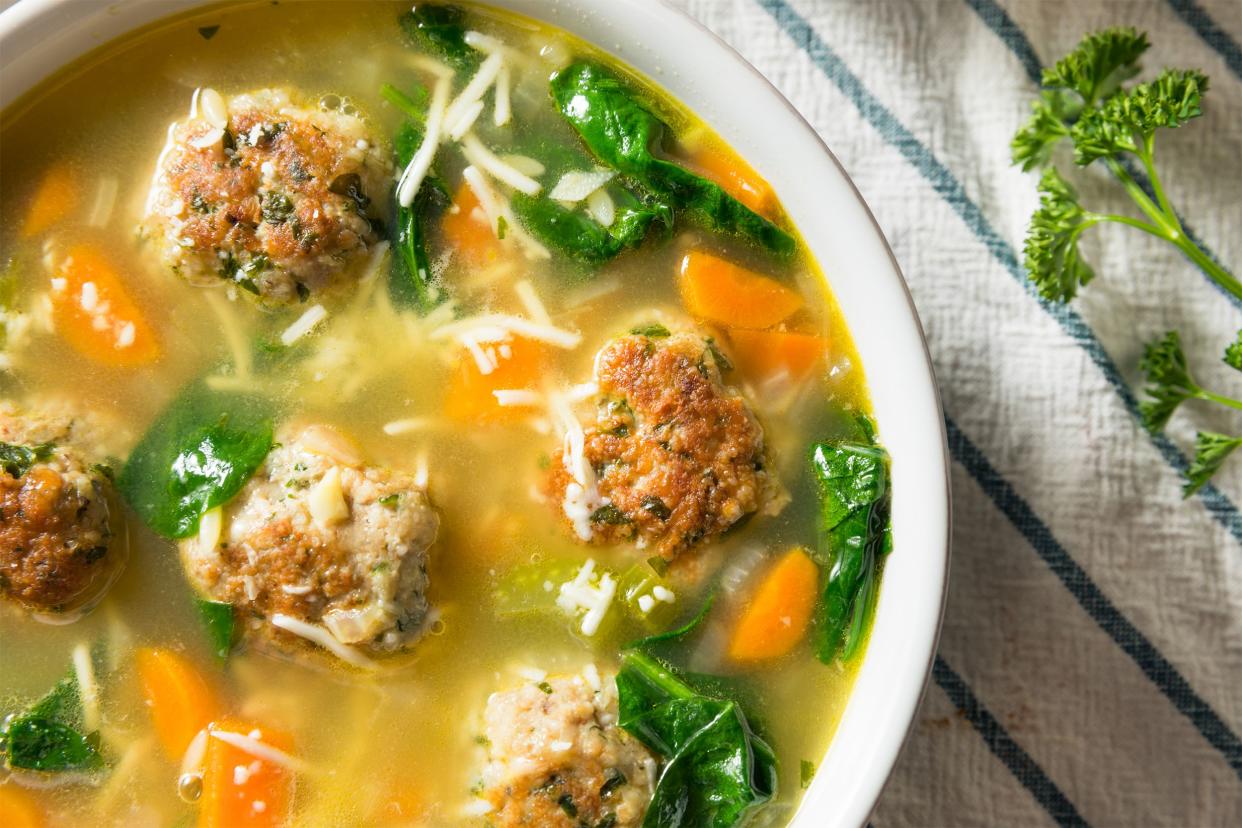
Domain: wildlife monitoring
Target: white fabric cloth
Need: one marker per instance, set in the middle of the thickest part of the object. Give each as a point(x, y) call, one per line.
point(1121, 681)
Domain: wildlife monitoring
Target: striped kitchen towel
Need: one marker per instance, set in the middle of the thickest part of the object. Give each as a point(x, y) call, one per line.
point(1090, 669)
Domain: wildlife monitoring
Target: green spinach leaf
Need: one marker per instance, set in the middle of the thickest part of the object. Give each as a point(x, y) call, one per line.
point(40, 744)
point(621, 132)
point(853, 530)
point(16, 460)
point(47, 735)
point(197, 455)
point(441, 30)
point(716, 770)
point(217, 618)
point(412, 283)
point(581, 237)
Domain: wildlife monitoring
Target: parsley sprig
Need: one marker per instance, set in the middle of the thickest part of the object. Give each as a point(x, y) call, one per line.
point(1169, 384)
point(1084, 101)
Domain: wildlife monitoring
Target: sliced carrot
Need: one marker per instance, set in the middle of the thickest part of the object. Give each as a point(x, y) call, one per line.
point(56, 197)
point(761, 355)
point(242, 789)
point(468, 232)
point(519, 365)
point(180, 700)
point(776, 616)
point(738, 178)
point(93, 310)
point(18, 808)
point(723, 292)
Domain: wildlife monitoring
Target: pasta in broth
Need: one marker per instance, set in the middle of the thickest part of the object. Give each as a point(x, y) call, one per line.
point(413, 416)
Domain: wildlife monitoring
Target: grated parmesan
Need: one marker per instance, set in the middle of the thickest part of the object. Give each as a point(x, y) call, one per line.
point(476, 88)
point(414, 173)
point(497, 326)
point(320, 636)
point(576, 185)
point(304, 324)
point(480, 156)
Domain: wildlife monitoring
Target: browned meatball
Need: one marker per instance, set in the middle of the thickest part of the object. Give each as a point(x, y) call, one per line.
point(274, 198)
point(556, 757)
point(55, 536)
point(677, 456)
point(319, 537)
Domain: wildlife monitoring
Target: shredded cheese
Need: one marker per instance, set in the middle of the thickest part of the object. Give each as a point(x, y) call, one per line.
point(480, 156)
point(320, 636)
point(579, 594)
point(601, 207)
point(524, 164)
point(304, 324)
point(465, 121)
point(576, 185)
point(88, 689)
point(476, 88)
point(414, 173)
point(507, 397)
point(250, 744)
point(502, 112)
point(497, 326)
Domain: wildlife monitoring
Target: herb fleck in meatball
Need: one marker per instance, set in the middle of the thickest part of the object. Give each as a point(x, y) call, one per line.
point(277, 199)
point(320, 537)
point(556, 757)
point(56, 547)
point(677, 455)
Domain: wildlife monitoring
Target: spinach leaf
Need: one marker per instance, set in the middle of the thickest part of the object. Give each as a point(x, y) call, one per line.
point(716, 770)
point(47, 735)
point(853, 530)
point(40, 744)
point(411, 283)
point(217, 618)
point(197, 455)
point(17, 460)
point(441, 30)
point(581, 237)
point(621, 132)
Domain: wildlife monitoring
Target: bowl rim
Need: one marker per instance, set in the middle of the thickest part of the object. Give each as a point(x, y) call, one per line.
point(40, 37)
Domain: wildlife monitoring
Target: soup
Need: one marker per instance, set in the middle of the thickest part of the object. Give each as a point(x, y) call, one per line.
point(413, 417)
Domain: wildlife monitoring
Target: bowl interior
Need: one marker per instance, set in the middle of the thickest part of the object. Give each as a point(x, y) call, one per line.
point(39, 36)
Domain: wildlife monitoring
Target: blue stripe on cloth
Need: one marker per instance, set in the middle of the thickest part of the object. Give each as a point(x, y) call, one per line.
point(1011, 34)
point(998, 740)
point(1089, 596)
point(1212, 34)
point(951, 190)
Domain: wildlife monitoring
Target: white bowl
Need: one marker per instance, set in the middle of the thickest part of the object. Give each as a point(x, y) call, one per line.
point(37, 37)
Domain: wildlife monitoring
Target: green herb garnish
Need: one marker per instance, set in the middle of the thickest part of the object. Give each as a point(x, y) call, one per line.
point(1169, 384)
point(217, 618)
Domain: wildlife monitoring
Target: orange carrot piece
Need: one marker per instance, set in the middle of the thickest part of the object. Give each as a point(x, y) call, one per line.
point(720, 291)
point(256, 796)
point(56, 197)
point(18, 808)
point(776, 617)
point(736, 177)
point(471, 236)
point(180, 700)
point(520, 364)
point(761, 355)
point(93, 310)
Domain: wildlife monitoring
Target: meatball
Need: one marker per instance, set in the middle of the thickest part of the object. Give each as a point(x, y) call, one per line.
point(676, 456)
point(274, 198)
point(556, 757)
point(320, 538)
point(56, 545)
